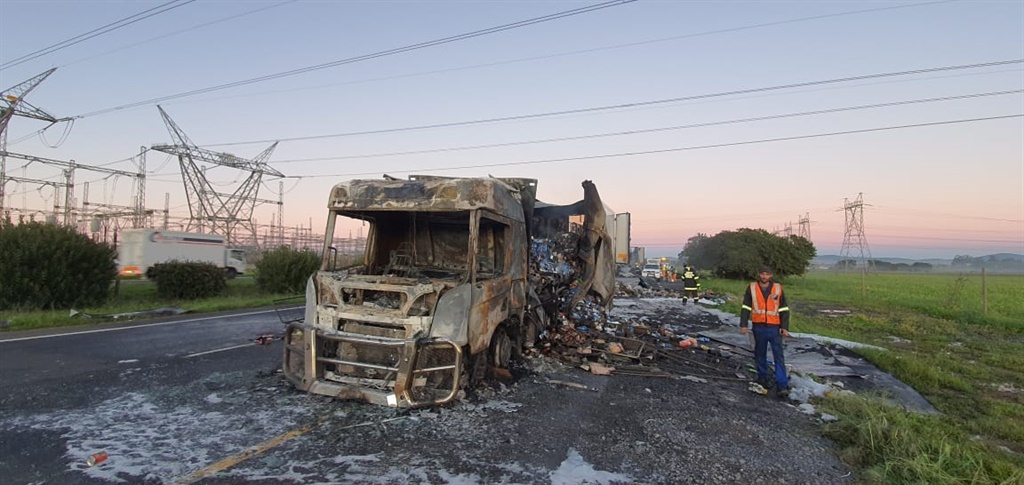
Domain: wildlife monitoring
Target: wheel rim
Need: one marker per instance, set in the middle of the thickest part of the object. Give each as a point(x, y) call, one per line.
point(502, 350)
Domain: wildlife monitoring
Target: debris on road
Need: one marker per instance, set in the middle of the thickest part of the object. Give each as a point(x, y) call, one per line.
point(157, 312)
point(96, 458)
point(266, 339)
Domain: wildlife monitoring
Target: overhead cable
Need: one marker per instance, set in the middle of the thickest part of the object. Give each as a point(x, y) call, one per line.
point(592, 49)
point(655, 130)
point(173, 4)
point(181, 31)
point(635, 104)
point(670, 150)
point(366, 57)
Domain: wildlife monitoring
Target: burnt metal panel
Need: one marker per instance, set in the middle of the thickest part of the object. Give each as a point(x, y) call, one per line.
point(451, 318)
point(427, 194)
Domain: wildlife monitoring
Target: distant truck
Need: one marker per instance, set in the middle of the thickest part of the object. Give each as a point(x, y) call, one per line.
point(447, 291)
point(140, 249)
point(619, 229)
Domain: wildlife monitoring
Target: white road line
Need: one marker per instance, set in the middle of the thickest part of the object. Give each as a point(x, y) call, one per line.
point(197, 354)
point(99, 330)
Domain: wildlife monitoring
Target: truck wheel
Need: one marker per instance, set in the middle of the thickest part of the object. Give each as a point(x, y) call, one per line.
point(501, 348)
point(230, 273)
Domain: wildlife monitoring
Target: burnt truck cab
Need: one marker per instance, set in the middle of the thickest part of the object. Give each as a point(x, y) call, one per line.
point(438, 299)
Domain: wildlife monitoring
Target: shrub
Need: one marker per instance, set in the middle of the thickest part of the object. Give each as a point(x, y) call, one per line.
point(45, 266)
point(187, 280)
point(285, 270)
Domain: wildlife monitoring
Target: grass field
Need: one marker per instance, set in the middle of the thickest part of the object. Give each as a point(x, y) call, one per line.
point(968, 363)
point(137, 295)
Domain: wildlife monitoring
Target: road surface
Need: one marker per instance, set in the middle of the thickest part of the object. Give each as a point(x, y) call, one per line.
point(194, 400)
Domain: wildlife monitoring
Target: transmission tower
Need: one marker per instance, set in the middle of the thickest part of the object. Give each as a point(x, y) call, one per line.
point(227, 214)
point(12, 102)
point(804, 223)
point(855, 243)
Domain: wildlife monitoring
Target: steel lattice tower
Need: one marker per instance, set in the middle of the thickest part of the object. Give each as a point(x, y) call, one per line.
point(227, 214)
point(804, 223)
point(855, 243)
point(12, 102)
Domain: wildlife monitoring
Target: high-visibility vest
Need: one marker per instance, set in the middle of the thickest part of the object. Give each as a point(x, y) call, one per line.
point(690, 280)
point(765, 310)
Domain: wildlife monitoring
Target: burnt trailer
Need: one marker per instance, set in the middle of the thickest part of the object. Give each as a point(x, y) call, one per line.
point(444, 291)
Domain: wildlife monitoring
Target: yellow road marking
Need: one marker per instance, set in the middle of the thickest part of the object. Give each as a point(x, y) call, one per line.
point(263, 447)
point(245, 455)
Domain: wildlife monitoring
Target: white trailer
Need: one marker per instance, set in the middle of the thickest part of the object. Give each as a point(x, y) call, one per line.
point(139, 249)
point(621, 236)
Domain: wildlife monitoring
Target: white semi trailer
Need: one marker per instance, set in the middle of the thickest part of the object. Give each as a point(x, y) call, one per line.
point(139, 249)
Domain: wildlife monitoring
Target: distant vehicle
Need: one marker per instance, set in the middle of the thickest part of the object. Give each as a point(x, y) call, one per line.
point(619, 229)
point(139, 249)
point(652, 270)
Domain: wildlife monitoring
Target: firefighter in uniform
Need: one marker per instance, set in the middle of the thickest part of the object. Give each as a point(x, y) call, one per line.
point(765, 305)
point(691, 284)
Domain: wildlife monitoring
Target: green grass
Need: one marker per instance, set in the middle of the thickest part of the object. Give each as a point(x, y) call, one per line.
point(137, 295)
point(969, 364)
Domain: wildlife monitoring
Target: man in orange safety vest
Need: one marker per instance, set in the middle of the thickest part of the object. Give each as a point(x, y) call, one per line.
point(765, 305)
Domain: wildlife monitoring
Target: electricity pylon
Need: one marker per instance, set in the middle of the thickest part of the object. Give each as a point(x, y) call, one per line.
point(12, 102)
point(804, 223)
point(855, 243)
point(226, 214)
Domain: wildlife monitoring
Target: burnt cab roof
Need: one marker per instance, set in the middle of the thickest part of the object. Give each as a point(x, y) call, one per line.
point(426, 193)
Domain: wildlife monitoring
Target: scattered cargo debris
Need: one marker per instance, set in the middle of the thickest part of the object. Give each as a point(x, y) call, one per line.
point(158, 312)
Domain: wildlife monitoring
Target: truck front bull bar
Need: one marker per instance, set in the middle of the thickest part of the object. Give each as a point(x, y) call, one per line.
point(304, 367)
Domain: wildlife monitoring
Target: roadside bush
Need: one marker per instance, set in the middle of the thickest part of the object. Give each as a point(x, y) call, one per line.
point(186, 280)
point(285, 270)
point(45, 266)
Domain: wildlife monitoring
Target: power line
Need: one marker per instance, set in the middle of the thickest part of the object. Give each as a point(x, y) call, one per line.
point(671, 150)
point(636, 104)
point(945, 214)
point(655, 130)
point(940, 229)
point(365, 57)
point(181, 31)
point(591, 50)
point(96, 32)
point(929, 238)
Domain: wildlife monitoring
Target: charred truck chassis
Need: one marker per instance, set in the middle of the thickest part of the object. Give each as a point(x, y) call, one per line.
point(442, 295)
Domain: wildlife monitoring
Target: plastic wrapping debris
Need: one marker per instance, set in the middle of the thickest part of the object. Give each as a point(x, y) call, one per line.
point(757, 388)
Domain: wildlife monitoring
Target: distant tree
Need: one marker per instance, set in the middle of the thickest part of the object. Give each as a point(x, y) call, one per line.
point(695, 251)
point(922, 267)
point(962, 260)
point(881, 265)
point(739, 253)
point(844, 264)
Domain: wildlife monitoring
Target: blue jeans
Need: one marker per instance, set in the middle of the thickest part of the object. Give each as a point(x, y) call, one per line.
point(765, 335)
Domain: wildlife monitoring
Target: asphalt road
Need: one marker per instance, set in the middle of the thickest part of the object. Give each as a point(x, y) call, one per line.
point(78, 371)
point(193, 400)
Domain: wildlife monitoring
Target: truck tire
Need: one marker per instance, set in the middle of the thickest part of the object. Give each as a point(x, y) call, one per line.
point(230, 273)
point(501, 348)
